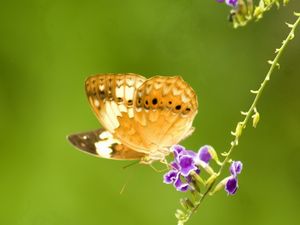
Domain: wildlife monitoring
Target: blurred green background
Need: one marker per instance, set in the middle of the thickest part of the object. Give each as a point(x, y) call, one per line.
point(48, 48)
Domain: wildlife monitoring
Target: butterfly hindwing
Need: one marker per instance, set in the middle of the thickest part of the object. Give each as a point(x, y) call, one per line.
point(101, 143)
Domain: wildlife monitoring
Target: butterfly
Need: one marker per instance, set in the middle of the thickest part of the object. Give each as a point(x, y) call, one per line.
point(141, 118)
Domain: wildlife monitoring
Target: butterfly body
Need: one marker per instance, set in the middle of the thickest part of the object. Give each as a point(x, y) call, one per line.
point(146, 116)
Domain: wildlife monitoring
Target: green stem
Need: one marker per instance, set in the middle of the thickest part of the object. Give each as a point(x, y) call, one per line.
point(248, 114)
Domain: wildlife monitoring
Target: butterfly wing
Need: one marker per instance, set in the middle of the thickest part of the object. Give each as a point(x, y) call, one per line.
point(144, 115)
point(101, 143)
point(164, 110)
point(111, 96)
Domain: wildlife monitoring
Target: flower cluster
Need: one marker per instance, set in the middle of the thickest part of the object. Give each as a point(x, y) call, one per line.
point(185, 164)
point(243, 11)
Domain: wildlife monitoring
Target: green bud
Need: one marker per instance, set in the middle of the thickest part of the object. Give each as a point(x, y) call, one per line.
point(257, 13)
point(186, 203)
point(255, 118)
point(196, 185)
point(179, 214)
point(285, 2)
point(183, 204)
point(239, 129)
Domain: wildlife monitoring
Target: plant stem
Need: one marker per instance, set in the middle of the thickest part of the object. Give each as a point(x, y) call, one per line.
point(248, 114)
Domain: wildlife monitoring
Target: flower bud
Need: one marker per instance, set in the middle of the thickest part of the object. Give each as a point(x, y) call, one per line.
point(255, 118)
point(186, 203)
point(239, 129)
point(179, 214)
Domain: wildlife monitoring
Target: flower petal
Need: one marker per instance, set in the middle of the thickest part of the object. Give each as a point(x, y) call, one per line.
point(236, 168)
point(171, 177)
point(204, 154)
point(232, 3)
point(187, 165)
point(231, 185)
point(174, 165)
point(191, 153)
point(180, 186)
point(178, 150)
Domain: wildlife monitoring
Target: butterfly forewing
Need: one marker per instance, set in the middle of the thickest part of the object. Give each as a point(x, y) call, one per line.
point(111, 97)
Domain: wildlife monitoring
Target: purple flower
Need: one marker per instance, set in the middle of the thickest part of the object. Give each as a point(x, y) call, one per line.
point(186, 165)
point(236, 168)
point(232, 3)
point(180, 186)
point(171, 177)
point(231, 185)
point(181, 168)
point(178, 150)
point(204, 154)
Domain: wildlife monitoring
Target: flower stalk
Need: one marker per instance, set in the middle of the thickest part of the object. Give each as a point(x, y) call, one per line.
point(187, 161)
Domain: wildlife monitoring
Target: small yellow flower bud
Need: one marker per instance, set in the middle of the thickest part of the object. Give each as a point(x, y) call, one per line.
point(256, 118)
point(179, 214)
point(239, 129)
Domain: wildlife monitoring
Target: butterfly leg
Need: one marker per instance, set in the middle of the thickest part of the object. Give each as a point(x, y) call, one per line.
point(166, 163)
point(155, 156)
point(158, 170)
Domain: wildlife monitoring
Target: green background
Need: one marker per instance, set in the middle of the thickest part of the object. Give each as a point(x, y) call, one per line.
point(48, 48)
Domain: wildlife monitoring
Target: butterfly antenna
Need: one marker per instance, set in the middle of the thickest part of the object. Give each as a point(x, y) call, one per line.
point(128, 177)
point(158, 170)
point(123, 188)
point(131, 164)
